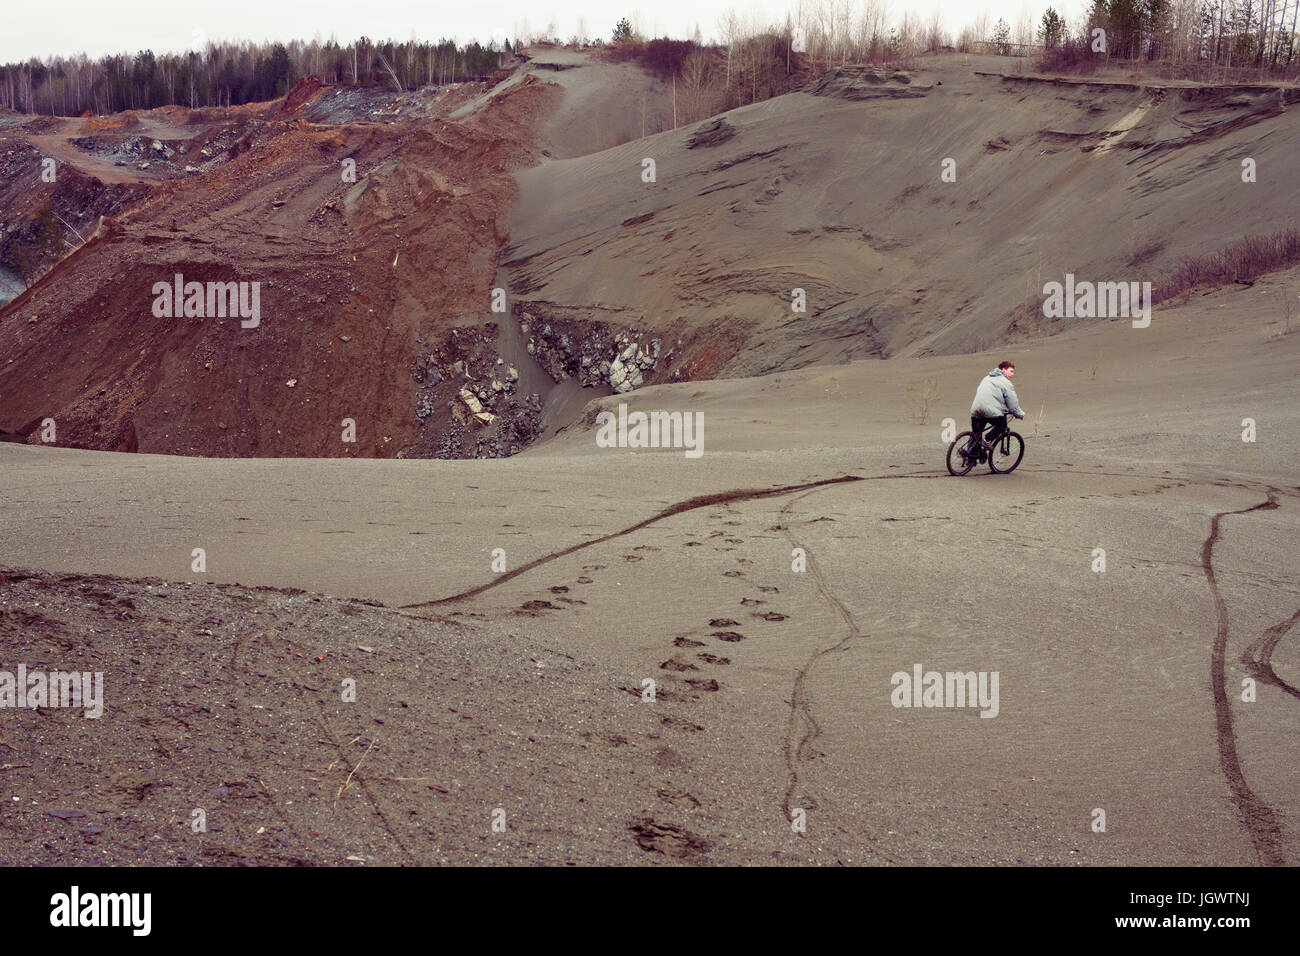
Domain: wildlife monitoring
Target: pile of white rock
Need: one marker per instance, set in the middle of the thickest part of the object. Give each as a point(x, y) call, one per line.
point(627, 370)
point(474, 396)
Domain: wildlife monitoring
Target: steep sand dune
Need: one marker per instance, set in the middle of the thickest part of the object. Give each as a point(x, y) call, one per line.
point(604, 104)
point(840, 194)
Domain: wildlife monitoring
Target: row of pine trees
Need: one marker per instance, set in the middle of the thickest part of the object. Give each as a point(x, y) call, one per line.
point(226, 74)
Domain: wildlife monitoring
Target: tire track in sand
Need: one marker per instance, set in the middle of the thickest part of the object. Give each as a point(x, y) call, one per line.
point(689, 504)
point(1258, 818)
point(1258, 658)
point(802, 728)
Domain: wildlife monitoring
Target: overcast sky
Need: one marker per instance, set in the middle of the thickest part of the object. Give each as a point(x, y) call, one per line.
point(103, 26)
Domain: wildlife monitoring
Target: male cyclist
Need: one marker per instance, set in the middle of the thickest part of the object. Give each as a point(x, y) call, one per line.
point(994, 400)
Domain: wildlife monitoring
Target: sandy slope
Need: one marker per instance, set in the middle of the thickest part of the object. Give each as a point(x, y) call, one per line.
point(1117, 691)
point(837, 190)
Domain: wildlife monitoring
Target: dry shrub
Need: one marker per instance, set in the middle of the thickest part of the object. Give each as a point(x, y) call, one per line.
point(1242, 261)
point(921, 397)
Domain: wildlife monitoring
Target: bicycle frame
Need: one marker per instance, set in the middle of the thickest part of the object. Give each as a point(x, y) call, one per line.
point(1002, 438)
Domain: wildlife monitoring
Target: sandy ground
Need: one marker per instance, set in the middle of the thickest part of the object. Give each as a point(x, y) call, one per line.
point(1119, 691)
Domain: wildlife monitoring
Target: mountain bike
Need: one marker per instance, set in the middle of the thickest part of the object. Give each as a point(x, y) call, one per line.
point(1003, 454)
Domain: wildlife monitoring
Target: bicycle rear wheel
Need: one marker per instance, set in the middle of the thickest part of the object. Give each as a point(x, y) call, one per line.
point(1006, 454)
point(959, 464)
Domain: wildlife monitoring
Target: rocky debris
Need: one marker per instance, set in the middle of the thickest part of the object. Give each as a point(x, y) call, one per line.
point(597, 355)
point(143, 152)
point(486, 417)
point(865, 83)
point(75, 198)
point(299, 96)
point(471, 400)
point(711, 133)
point(476, 409)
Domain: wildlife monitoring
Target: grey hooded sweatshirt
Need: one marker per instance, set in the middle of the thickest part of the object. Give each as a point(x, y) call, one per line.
point(996, 397)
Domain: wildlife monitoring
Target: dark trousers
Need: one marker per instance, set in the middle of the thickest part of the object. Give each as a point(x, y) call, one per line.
point(996, 427)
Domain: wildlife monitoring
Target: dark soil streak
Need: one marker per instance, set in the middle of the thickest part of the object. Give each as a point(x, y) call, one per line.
point(803, 728)
point(1258, 658)
point(690, 504)
point(1258, 818)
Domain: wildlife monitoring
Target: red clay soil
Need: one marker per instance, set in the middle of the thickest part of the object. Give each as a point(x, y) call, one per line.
point(359, 282)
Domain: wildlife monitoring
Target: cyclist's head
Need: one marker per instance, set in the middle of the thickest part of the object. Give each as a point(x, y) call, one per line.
point(1008, 368)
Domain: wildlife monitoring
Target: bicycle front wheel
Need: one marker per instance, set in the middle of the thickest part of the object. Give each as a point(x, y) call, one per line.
point(1006, 454)
point(959, 464)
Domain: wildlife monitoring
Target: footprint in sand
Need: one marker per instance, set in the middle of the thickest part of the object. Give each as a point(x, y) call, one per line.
point(713, 658)
point(731, 636)
point(723, 622)
point(734, 540)
point(612, 740)
point(532, 607)
point(667, 757)
point(768, 589)
point(751, 602)
point(733, 574)
point(585, 580)
point(673, 664)
point(672, 841)
point(676, 723)
point(693, 544)
point(685, 641)
point(700, 684)
point(633, 557)
point(770, 616)
point(559, 589)
point(677, 798)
